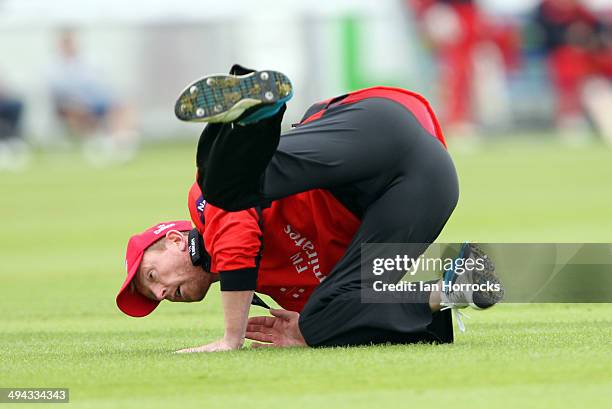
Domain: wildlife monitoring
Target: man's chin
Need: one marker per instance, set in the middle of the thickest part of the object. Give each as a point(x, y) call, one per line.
point(197, 292)
point(200, 298)
point(192, 299)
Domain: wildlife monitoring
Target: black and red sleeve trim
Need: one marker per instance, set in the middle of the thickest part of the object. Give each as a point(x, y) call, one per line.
point(243, 279)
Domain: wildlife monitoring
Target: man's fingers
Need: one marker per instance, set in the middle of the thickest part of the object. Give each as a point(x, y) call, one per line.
point(264, 321)
point(259, 328)
point(186, 351)
point(258, 336)
point(284, 314)
point(260, 345)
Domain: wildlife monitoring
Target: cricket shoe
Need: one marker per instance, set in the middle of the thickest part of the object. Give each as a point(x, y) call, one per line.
point(226, 97)
point(470, 283)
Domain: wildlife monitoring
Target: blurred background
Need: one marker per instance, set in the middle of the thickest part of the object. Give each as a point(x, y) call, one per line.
point(103, 74)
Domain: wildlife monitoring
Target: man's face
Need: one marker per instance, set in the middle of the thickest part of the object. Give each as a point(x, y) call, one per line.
point(67, 45)
point(167, 273)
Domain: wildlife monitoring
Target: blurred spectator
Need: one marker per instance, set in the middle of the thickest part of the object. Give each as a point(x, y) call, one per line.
point(14, 153)
point(578, 46)
point(88, 108)
point(467, 45)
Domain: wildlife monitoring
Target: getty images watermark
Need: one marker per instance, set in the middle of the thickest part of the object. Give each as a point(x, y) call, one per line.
point(522, 272)
point(410, 266)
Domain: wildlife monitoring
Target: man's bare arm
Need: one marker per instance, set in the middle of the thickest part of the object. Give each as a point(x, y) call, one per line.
point(236, 306)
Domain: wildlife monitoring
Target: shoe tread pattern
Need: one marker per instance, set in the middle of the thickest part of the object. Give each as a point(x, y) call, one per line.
point(485, 299)
point(215, 95)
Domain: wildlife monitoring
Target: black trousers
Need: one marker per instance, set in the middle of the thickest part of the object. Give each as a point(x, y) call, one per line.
point(377, 160)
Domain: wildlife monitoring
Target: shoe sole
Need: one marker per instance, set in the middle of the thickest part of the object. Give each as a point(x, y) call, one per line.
point(224, 97)
point(485, 299)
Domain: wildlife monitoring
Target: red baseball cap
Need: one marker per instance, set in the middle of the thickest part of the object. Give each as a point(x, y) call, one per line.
point(132, 302)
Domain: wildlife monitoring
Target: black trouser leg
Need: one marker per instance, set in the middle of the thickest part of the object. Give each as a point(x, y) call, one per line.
point(231, 160)
point(352, 148)
point(413, 210)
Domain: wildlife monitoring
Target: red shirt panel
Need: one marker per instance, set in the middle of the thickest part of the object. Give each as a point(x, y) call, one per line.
point(304, 236)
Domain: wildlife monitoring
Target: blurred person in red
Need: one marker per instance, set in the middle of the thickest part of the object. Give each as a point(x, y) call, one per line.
point(578, 46)
point(88, 108)
point(456, 29)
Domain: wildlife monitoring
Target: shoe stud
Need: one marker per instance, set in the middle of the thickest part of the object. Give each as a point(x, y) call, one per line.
point(193, 90)
point(269, 96)
point(210, 82)
point(200, 112)
point(218, 108)
point(264, 76)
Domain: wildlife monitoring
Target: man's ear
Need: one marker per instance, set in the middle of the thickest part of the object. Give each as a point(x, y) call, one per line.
point(175, 237)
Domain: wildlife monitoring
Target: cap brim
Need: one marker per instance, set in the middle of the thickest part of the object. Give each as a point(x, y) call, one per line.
point(131, 302)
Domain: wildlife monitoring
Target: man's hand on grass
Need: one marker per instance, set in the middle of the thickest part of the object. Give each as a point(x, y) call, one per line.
point(216, 346)
point(280, 330)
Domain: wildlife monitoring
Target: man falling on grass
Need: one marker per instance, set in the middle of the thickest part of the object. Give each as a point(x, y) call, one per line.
point(285, 215)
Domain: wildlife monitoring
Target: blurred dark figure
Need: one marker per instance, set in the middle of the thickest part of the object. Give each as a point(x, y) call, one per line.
point(578, 46)
point(457, 31)
point(88, 108)
point(14, 153)
point(10, 116)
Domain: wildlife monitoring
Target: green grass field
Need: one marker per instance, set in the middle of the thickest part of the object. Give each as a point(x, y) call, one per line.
point(64, 230)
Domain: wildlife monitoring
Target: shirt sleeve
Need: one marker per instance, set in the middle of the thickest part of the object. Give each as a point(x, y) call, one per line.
point(233, 240)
